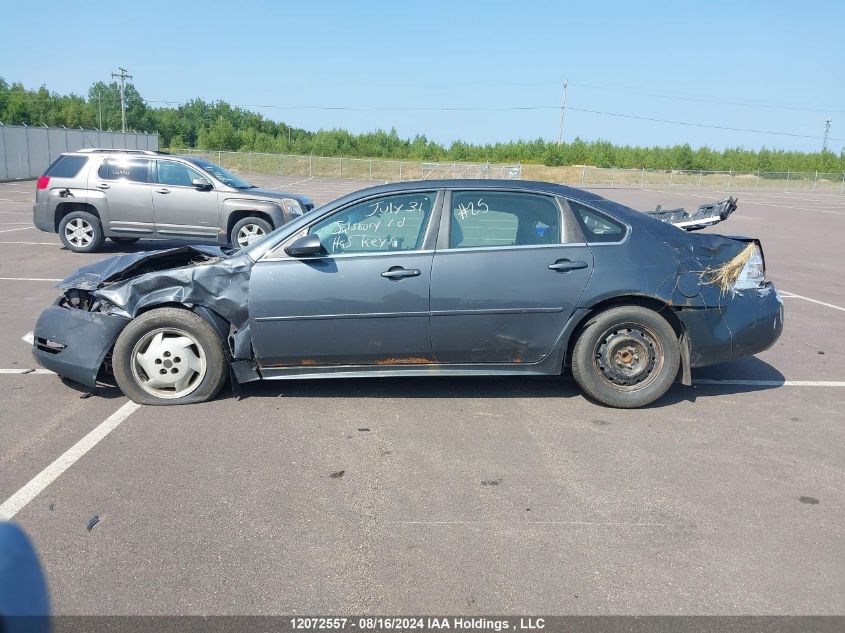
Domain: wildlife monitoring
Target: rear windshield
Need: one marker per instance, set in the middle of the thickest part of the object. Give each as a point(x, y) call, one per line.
point(66, 166)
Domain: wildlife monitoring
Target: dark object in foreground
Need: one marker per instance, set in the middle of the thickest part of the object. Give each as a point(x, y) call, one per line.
point(24, 600)
point(706, 215)
point(429, 278)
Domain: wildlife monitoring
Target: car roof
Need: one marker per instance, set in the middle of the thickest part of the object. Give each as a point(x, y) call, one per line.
point(479, 183)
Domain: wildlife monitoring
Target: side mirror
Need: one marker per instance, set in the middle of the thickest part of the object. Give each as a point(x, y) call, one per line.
point(201, 183)
point(304, 246)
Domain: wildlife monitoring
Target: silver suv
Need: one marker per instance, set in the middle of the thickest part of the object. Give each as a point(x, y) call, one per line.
point(125, 195)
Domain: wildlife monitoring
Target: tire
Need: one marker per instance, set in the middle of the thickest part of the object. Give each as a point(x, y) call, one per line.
point(81, 232)
point(626, 357)
point(187, 359)
point(124, 241)
point(251, 226)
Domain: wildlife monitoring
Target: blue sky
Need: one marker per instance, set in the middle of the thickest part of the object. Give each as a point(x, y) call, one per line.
point(656, 60)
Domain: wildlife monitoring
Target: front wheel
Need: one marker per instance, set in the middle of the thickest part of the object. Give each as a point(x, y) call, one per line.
point(249, 230)
point(626, 357)
point(169, 356)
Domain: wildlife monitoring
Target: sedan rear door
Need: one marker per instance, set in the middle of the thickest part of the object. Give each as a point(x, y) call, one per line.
point(509, 269)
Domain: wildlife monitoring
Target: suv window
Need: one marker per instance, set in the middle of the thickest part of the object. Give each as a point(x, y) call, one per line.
point(497, 218)
point(131, 169)
point(391, 223)
point(169, 172)
point(597, 227)
point(66, 166)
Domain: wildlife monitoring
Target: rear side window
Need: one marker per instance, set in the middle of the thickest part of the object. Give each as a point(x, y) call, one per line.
point(597, 227)
point(492, 218)
point(130, 169)
point(66, 166)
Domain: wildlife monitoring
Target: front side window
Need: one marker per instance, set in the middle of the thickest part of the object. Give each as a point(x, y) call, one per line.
point(170, 172)
point(498, 218)
point(129, 169)
point(391, 223)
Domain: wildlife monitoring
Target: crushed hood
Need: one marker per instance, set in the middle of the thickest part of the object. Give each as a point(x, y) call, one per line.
point(120, 267)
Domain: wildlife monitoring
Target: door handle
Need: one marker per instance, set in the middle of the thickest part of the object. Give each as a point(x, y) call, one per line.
point(397, 272)
point(565, 265)
point(102, 185)
point(162, 190)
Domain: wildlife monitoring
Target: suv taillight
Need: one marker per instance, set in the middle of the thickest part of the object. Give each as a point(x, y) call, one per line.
point(43, 182)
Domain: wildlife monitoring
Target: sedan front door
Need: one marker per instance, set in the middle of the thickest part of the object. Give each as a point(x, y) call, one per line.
point(183, 210)
point(364, 300)
point(506, 278)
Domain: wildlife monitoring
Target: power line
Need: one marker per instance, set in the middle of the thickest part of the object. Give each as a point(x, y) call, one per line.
point(510, 108)
point(494, 109)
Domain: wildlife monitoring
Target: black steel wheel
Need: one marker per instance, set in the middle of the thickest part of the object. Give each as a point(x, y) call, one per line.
point(626, 357)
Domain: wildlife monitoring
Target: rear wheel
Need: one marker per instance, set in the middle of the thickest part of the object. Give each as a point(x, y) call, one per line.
point(249, 230)
point(626, 357)
point(81, 232)
point(169, 356)
point(124, 241)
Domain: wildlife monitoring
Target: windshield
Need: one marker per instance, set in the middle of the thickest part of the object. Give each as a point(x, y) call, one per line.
point(226, 177)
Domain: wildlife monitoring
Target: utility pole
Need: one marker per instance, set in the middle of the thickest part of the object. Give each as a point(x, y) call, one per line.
point(562, 112)
point(826, 134)
point(123, 76)
point(100, 104)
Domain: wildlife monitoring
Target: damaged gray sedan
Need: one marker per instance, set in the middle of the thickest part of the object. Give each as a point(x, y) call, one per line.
point(429, 278)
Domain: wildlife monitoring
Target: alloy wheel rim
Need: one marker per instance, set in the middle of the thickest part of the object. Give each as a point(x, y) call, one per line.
point(249, 233)
point(629, 357)
point(79, 232)
point(168, 363)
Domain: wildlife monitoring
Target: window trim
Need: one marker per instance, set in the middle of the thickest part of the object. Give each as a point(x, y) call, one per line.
point(155, 181)
point(429, 237)
point(446, 222)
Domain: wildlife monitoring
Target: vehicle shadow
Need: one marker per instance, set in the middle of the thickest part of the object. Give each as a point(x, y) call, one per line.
point(743, 372)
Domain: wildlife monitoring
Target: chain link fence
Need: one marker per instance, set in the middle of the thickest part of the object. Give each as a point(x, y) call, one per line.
point(579, 176)
point(584, 176)
point(350, 168)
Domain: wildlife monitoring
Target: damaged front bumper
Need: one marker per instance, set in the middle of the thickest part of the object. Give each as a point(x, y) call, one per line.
point(750, 322)
point(74, 343)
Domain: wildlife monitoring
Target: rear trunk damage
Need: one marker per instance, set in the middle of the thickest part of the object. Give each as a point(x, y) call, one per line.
point(720, 321)
point(74, 337)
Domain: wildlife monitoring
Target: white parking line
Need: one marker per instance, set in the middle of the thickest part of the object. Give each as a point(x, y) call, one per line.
point(23, 228)
point(29, 372)
point(769, 383)
point(36, 243)
point(37, 484)
point(792, 295)
point(28, 279)
point(291, 184)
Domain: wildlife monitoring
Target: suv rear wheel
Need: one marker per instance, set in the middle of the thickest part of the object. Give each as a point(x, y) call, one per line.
point(249, 230)
point(81, 232)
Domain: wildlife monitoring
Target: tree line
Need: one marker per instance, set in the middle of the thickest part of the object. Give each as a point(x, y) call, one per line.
point(216, 125)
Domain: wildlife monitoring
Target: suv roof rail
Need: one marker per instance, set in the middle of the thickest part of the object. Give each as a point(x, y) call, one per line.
point(148, 152)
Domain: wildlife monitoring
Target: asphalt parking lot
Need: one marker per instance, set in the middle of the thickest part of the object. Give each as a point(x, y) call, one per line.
point(508, 496)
